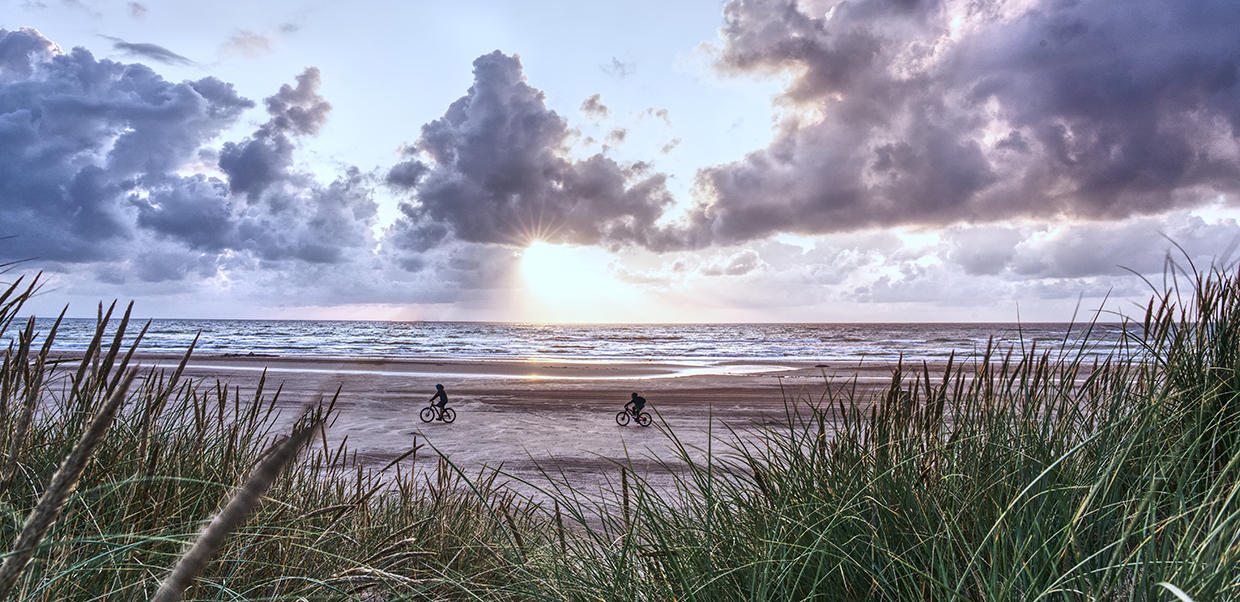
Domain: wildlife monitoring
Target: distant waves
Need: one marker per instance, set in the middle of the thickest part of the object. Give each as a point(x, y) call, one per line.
point(574, 342)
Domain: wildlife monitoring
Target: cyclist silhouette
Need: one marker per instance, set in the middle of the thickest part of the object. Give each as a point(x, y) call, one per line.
point(633, 411)
point(635, 405)
point(442, 396)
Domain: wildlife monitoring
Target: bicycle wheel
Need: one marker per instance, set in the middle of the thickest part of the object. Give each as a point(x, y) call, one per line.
point(644, 419)
point(622, 418)
point(427, 414)
point(449, 414)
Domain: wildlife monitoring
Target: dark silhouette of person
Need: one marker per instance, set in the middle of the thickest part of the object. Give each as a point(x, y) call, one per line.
point(442, 396)
point(635, 405)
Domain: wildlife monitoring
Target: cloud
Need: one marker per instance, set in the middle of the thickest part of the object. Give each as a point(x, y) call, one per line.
point(983, 250)
point(71, 4)
point(137, 10)
point(661, 114)
point(740, 263)
point(495, 170)
point(619, 69)
point(249, 44)
point(1142, 245)
point(252, 44)
point(594, 108)
point(953, 273)
point(267, 207)
point(617, 136)
point(941, 112)
point(301, 220)
point(98, 165)
point(81, 136)
point(21, 51)
point(407, 174)
point(153, 52)
point(256, 164)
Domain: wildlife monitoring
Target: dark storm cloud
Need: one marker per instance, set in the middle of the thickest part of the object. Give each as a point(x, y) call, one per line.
point(153, 52)
point(80, 136)
point(94, 158)
point(20, 51)
point(267, 207)
point(300, 220)
point(407, 174)
point(256, 164)
point(935, 112)
point(494, 169)
point(310, 222)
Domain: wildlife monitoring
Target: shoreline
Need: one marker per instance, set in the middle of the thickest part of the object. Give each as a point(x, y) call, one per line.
point(541, 367)
point(531, 368)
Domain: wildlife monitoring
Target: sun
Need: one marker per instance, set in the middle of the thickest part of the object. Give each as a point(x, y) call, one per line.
point(546, 268)
point(572, 284)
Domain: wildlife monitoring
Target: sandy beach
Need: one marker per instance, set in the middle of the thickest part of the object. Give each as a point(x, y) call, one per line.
point(522, 414)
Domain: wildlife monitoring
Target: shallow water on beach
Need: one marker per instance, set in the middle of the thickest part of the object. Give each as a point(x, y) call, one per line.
point(603, 342)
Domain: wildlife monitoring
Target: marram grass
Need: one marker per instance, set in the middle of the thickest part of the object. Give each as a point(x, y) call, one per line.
point(179, 450)
point(1013, 476)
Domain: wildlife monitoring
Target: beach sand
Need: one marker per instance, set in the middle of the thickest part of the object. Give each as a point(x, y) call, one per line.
point(524, 415)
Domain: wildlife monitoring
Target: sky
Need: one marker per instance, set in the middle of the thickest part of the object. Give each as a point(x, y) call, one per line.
point(637, 161)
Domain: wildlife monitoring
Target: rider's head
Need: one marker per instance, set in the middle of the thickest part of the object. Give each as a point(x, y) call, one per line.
point(438, 386)
point(635, 395)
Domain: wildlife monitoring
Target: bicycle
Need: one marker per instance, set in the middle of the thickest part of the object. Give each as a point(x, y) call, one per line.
point(432, 412)
point(624, 416)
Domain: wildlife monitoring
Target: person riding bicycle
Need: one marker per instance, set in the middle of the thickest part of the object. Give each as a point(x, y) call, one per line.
point(635, 405)
point(442, 396)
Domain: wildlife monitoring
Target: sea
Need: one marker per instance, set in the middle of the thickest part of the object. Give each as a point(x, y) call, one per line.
point(671, 343)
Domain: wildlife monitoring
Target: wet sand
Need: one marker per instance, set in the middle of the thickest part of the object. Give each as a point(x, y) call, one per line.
point(525, 415)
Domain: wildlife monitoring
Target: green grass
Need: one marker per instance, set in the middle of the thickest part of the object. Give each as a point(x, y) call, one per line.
point(1013, 476)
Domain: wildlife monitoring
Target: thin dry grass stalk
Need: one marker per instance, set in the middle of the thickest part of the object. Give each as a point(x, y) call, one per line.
point(559, 528)
point(516, 533)
point(624, 498)
point(195, 560)
point(63, 483)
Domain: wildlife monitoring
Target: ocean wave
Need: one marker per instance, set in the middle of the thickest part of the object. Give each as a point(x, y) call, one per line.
point(809, 342)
